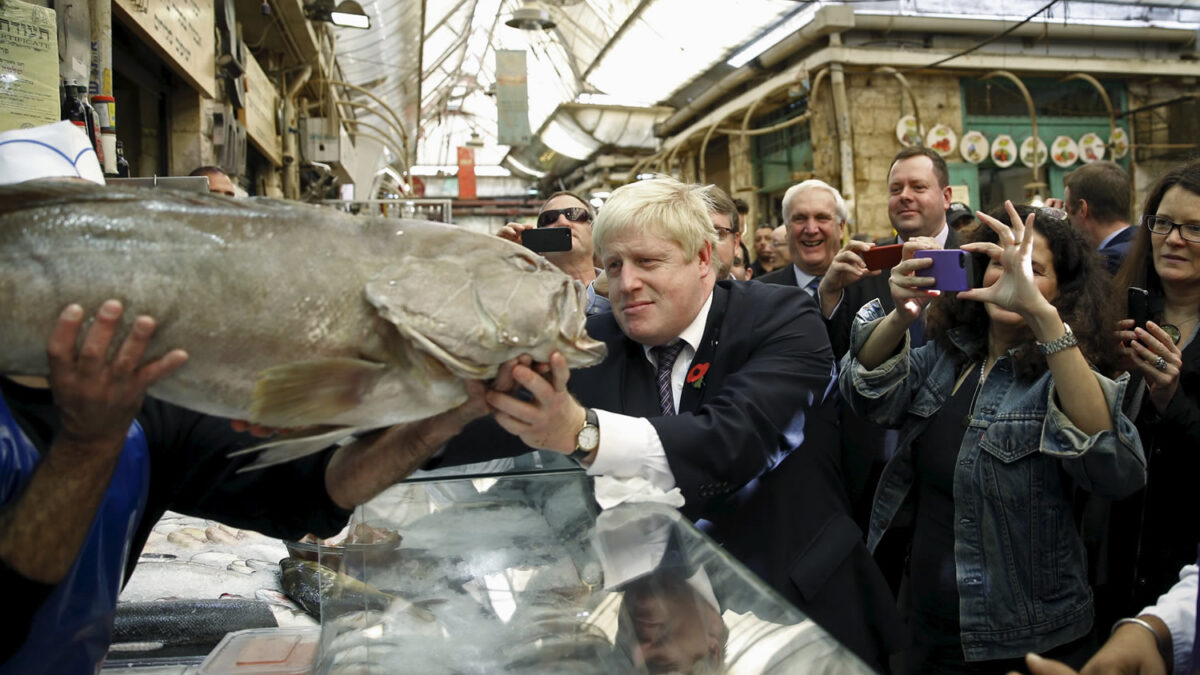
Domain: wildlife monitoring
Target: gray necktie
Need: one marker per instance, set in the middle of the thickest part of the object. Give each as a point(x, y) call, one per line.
point(665, 355)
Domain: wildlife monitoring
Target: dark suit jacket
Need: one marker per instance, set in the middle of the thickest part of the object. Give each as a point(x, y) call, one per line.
point(784, 276)
point(782, 512)
point(1114, 251)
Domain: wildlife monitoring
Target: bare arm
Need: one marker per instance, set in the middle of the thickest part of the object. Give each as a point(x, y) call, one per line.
point(44, 528)
point(363, 469)
point(1079, 393)
point(910, 300)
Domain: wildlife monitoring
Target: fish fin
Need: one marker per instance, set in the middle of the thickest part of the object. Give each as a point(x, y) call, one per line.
point(288, 447)
point(309, 392)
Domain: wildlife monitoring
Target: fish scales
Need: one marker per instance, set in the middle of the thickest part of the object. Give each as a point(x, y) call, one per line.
point(292, 315)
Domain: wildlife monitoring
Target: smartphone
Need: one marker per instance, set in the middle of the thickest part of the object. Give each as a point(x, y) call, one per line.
point(547, 239)
point(883, 257)
point(952, 269)
point(1139, 306)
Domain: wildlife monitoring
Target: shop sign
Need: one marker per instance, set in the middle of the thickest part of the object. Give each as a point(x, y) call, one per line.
point(262, 100)
point(28, 66)
point(181, 31)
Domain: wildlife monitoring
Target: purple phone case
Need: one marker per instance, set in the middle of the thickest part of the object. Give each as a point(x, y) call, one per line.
point(952, 269)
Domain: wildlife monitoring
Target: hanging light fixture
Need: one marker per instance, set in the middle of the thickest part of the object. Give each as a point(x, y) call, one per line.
point(531, 16)
point(347, 14)
point(475, 141)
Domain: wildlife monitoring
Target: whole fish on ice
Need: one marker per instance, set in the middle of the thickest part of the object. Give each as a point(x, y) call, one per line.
point(292, 315)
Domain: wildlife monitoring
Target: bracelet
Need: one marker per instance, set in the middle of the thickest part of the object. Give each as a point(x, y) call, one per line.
point(1064, 341)
point(1164, 645)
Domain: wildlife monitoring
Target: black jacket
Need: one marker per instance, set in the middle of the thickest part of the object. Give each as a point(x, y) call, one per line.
point(778, 508)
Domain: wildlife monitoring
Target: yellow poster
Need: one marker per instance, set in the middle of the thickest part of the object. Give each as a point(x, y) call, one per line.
point(28, 65)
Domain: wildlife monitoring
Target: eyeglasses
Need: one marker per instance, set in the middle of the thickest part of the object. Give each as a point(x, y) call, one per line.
point(575, 214)
point(1160, 225)
point(723, 232)
point(1052, 212)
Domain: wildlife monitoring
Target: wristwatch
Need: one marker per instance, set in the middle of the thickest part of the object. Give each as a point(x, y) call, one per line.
point(1065, 341)
point(588, 438)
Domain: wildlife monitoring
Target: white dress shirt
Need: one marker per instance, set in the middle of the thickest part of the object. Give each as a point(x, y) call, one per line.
point(630, 446)
point(1177, 609)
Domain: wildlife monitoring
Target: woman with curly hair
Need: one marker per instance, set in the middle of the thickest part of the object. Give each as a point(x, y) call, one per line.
point(1154, 533)
point(1001, 416)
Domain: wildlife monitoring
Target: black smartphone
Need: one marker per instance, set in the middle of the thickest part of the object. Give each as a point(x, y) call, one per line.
point(547, 239)
point(1139, 306)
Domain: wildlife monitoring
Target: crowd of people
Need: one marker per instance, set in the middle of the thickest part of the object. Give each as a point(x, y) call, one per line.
point(944, 481)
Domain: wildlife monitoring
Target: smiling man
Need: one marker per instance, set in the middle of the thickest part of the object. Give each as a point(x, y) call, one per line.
point(918, 196)
point(814, 214)
point(709, 387)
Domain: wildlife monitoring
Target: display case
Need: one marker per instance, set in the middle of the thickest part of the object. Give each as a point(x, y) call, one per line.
point(520, 572)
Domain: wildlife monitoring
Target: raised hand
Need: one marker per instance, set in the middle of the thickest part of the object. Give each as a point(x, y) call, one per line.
point(847, 268)
point(1015, 290)
point(512, 232)
point(99, 397)
point(1155, 354)
point(909, 293)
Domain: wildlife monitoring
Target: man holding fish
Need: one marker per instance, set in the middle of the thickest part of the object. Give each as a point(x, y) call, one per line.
point(89, 462)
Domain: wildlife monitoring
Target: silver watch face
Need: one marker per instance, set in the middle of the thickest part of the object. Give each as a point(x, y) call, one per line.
point(588, 438)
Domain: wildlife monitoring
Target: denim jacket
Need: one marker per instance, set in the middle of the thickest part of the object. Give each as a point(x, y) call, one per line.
point(1019, 559)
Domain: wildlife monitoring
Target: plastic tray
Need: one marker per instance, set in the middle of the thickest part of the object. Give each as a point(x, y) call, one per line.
point(264, 651)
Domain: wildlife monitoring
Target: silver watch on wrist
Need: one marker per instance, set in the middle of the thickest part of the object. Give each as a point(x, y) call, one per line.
point(587, 440)
point(1065, 341)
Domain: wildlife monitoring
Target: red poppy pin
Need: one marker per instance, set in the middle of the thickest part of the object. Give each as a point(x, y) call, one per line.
point(695, 376)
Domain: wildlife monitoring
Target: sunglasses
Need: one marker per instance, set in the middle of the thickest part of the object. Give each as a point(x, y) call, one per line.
point(575, 214)
point(1160, 225)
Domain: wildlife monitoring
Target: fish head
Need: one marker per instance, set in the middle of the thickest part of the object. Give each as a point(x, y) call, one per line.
point(493, 303)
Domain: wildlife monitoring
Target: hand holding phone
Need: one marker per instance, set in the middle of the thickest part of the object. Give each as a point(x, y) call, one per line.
point(952, 269)
point(883, 257)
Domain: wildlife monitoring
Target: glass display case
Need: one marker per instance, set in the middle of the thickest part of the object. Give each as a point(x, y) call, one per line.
point(521, 572)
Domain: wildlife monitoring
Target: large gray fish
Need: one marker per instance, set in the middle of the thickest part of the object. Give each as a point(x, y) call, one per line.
point(292, 315)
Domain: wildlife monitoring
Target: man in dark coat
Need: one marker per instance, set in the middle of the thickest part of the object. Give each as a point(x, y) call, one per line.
point(710, 388)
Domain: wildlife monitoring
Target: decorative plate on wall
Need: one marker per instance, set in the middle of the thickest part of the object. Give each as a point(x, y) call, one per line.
point(907, 132)
point(1004, 151)
point(941, 138)
point(974, 147)
point(1091, 147)
point(1119, 142)
point(1027, 152)
point(1063, 151)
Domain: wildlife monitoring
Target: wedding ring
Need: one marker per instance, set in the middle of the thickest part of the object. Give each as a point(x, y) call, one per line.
point(1160, 363)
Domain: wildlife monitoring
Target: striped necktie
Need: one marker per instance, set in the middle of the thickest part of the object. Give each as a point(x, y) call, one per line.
point(665, 356)
point(813, 285)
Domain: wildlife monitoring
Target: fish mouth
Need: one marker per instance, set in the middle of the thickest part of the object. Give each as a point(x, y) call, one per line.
point(584, 350)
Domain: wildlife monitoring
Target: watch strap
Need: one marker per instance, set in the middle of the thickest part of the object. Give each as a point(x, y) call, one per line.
point(1064, 341)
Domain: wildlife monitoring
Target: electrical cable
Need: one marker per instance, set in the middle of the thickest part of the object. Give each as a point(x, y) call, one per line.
point(985, 43)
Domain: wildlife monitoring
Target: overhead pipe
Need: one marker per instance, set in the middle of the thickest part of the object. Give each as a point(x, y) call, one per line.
point(391, 144)
point(841, 113)
point(912, 98)
point(1108, 106)
point(397, 130)
point(404, 140)
point(1037, 167)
